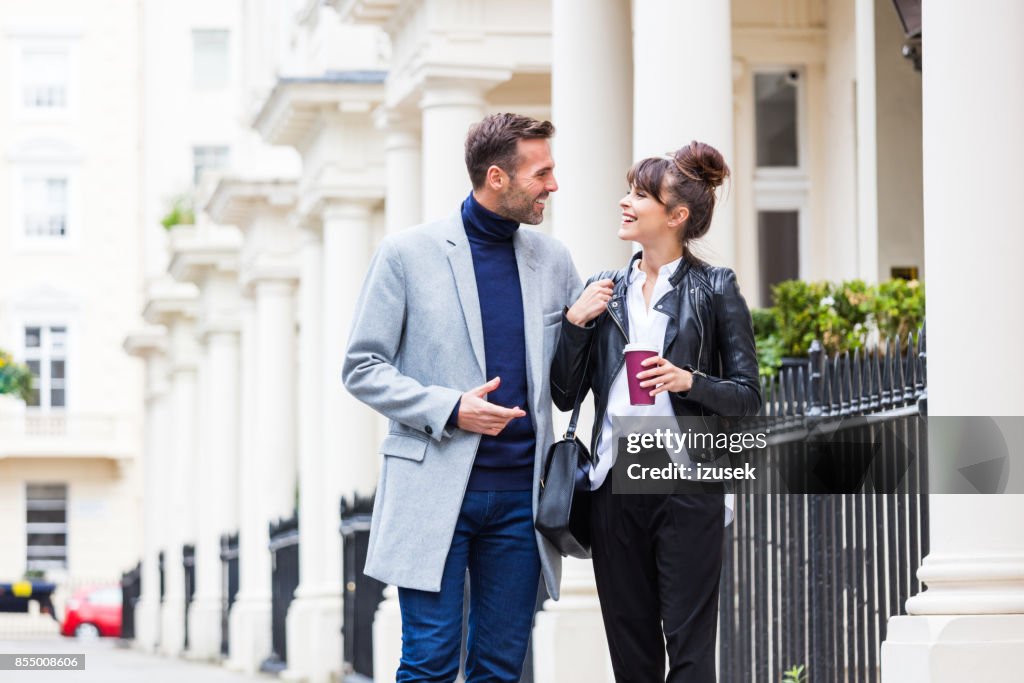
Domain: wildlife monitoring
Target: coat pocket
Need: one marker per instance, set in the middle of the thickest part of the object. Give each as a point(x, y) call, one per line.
point(403, 446)
point(553, 318)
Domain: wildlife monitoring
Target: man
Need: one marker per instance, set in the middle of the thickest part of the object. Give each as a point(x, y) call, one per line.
point(452, 339)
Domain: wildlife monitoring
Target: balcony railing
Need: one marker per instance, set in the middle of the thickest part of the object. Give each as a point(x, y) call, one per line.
point(63, 434)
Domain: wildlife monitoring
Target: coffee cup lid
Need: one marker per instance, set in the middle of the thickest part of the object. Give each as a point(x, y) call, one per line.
point(641, 347)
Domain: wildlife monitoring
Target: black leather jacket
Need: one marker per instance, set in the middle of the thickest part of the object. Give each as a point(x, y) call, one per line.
point(710, 334)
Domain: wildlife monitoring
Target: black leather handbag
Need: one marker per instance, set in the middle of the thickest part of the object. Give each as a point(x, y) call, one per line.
point(563, 511)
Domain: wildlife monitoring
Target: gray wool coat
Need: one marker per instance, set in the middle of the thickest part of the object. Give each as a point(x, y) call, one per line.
point(416, 345)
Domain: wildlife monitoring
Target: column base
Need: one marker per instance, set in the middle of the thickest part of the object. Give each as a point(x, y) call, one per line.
point(954, 648)
point(249, 632)
point(314, 637)
point(172, 626)
point(204, 629)
point(387, 636)
point(568, 636)
point(147, 624)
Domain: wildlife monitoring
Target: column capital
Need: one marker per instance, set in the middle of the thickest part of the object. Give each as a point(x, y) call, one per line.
point(220, 328)
point(401, 128)
point(347, 209)
point(147, 342)
point(393, 119)
point(274, 284)
point(459, 86)
point(167, 301)
point(197, 252)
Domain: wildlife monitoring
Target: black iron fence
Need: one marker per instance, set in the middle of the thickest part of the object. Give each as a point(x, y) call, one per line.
point(229, 586)
point(131, 590)
point(284, 550)
point(188, 560)
point(361, 593)
point(812, 579)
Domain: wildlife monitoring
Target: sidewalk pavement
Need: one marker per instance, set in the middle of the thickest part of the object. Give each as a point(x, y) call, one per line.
point(108, 662)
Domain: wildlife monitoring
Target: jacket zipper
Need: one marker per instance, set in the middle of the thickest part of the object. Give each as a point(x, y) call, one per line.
point(700, 325)
point(700, 348)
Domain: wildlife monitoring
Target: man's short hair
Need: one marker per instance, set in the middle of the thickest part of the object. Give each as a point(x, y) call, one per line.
point(494, 142)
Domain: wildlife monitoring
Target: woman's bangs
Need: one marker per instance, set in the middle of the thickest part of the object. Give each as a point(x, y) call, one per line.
point(646, 175)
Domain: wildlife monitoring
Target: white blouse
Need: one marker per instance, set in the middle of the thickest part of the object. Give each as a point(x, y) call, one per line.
point(646, 326)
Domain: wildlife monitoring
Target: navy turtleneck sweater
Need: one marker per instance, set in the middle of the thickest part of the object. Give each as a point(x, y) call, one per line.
point(503, 462)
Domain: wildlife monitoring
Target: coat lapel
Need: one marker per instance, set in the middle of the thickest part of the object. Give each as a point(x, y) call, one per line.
point(533, 313)
point(460, 258)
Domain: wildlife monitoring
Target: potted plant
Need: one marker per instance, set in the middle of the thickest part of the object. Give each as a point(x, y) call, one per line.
point(15, 378)
point(181, 212)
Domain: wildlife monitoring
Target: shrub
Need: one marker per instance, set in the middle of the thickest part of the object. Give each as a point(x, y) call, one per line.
point(180, 213)
point(898, 307)
point(15, 378)
point(833, 314)
point(842, 316)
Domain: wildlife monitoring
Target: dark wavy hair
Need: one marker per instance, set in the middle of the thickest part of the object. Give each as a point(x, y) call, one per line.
point(689, 177)
point(494, 142)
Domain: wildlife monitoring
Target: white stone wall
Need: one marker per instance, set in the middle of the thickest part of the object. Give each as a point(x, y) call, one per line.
point(91, 280)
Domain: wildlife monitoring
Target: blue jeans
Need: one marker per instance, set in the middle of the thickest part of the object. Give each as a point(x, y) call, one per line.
point(494, 538)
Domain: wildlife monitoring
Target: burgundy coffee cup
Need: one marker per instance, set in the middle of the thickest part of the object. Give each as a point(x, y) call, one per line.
point(635, 355)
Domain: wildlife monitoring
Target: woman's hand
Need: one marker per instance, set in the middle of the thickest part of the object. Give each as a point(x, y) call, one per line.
point(591, 302)
point(664, 376)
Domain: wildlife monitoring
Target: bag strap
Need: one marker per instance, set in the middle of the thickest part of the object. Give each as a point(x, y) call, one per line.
point(570, 431)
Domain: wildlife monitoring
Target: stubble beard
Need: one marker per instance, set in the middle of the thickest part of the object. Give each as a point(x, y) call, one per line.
point(518, 206)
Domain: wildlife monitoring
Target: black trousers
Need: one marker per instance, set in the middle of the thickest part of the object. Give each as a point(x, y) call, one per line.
point(657, 561)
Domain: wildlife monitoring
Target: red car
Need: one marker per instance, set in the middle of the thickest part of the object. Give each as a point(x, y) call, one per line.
point(93, 612)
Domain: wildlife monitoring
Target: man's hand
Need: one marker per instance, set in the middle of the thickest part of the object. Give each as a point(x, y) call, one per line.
point(477, 415)
point(591, 302)
point(664, 376)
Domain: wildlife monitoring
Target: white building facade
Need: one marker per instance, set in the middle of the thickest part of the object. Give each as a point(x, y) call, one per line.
point(356, 113)
point(70, 274)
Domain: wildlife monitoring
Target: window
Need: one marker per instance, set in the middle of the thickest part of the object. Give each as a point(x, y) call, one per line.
point(45, 76)
point(45, 213)
point(775, 102)
point(46, 357)
point(206, 158)
point(105, 597)
point(780, 180)
point(211, 68)
point(778, 248)
point(46, 526)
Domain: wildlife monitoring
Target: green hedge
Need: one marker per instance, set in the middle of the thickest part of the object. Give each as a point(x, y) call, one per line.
point(15, 378)
point(842, 316)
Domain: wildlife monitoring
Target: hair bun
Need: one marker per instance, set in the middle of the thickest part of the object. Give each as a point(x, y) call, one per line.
point(700, 161)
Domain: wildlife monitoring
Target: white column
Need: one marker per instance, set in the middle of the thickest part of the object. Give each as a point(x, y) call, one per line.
point(155, 463)
point(218, 467)
point(273, 461)
point(181, 515)
point(449, 108)
point(568, 638)
point(867, 142)
point(682, 66)
point(351, 465)
point(591, 106)
point(591, 72)
point(243, 651)
point(969, 624)
point(307, 635)
point(346, 460)
point(404, 203)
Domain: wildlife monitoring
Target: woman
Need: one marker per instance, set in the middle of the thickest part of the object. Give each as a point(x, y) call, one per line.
point(657, 558)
